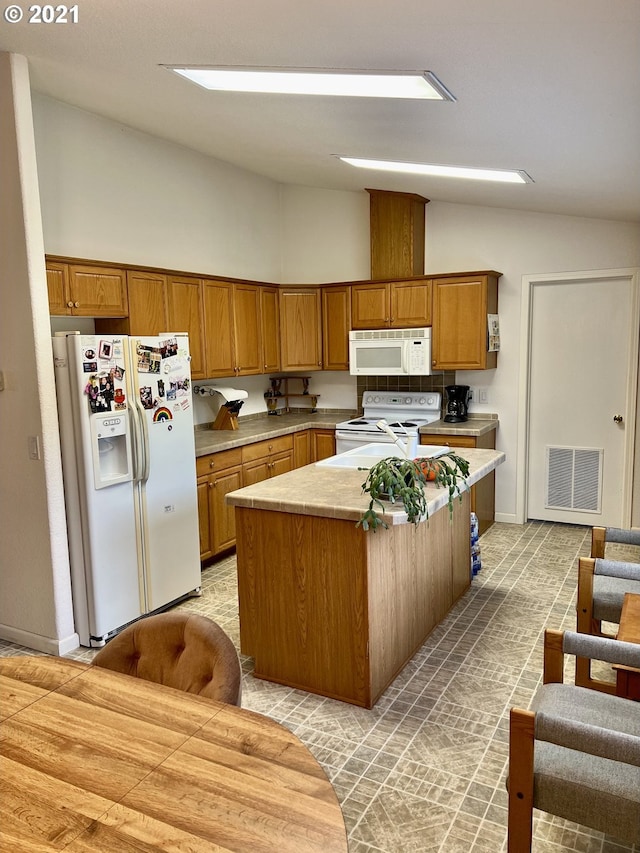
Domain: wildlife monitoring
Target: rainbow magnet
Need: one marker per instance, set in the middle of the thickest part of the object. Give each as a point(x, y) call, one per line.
point(162, 414)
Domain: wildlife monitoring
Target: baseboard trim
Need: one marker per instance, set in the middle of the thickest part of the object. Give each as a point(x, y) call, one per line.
point(506, 517)
point(38, 643)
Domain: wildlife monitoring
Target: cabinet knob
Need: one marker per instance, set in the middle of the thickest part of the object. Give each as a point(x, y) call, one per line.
point(69, 304)
point(271, 447)
point(212, 464)
point(210, 485)
point(215, 483)
point(76, 304)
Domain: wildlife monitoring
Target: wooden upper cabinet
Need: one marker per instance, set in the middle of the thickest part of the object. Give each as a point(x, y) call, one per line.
point(460, 334)
point(86, 290)
point(184, 314)
point(248, 329)
point(394, 304)
point(147, 303)
point(217, 305)
point(336, 325)
point(97, 291)
point(370, 307)
point(410, 304)
point(270, 316)
point(397, 230)
point(58, 287)
point(300, 328)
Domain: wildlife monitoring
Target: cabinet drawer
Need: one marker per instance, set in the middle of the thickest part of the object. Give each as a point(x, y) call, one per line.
point(259, 449)
point(218, 461)
point(451, 440)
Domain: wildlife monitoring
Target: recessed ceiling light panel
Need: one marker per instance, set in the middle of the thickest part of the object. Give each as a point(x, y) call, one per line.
point(503, 175)
point(311, 81)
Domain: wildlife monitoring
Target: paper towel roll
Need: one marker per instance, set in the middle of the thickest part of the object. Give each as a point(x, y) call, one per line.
point(228, 394)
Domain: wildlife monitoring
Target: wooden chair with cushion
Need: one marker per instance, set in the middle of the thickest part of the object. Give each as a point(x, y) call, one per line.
point(181, 650)
point(601, 535)
point(602, 585)
point(576, 752)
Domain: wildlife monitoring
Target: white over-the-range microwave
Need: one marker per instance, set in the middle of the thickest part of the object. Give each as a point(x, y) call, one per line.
point(390, 352)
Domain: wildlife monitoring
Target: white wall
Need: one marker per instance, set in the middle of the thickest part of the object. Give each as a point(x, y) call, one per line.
point(116, 194)
point(325, 235)
point(35, 587)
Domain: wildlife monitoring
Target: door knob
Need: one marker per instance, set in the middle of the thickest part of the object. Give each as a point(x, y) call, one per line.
point(617, 419)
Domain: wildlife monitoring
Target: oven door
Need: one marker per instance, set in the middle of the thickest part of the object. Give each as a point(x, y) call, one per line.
point(350, 439)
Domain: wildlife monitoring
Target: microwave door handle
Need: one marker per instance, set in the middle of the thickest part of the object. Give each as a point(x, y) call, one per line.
point(405, 365)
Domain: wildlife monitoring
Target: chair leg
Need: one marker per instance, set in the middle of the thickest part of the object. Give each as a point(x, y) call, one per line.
point(520, 819)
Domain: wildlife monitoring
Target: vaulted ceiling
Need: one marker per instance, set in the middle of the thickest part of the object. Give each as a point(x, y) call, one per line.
point(548, 86)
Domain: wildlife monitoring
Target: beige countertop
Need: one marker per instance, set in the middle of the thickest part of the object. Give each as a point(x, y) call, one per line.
point(337, 492)
point(265, 426)
point(473, 427)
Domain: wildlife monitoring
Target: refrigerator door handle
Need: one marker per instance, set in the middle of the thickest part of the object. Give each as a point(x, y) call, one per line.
point(134, 427)
point(141, 444)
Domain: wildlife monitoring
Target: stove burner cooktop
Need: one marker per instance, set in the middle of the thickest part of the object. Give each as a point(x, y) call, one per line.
point(403, 424)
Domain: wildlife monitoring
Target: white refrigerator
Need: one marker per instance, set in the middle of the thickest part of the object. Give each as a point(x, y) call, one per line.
point(128, 453)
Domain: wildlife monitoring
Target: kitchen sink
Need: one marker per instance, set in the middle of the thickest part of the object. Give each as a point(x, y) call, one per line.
point(367, 455)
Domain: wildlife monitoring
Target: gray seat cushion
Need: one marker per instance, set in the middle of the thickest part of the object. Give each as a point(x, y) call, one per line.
point(595, 792)
point(608, 595)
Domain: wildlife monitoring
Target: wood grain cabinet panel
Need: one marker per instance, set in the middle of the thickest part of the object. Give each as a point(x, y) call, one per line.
point(336, 325)
point(98, 291)
point(300, 329)
point(270, 317)
point(395, 304)
point(460, 335)
point(217, 301)
point(184, 314)
point(410, 304)
point(218, 474)
point(302, 448)
point(147, 303)
point(483, 493)
point(58, 288)
point(247, 329)
point(86, 290)
point(264, 459)
point(323, 444)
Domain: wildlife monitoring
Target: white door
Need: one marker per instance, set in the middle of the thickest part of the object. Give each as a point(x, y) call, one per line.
point(583, 346)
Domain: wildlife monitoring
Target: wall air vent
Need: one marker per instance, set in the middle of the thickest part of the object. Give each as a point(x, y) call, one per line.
point(574, 478)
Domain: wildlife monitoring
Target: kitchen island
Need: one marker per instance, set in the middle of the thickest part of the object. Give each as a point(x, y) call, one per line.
point(329, 608)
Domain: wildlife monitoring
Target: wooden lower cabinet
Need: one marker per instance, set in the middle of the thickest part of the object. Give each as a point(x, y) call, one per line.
point(302, 448)
point(323, 444)
point(264, 459)
point(218, 474)
point(344, 611)
point(483, 494)
point(228, 470)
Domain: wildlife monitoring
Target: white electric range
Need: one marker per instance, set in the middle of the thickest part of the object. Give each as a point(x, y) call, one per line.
point(405, 412)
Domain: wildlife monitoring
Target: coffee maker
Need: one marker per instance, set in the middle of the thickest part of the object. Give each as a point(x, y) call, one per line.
point(457, 403)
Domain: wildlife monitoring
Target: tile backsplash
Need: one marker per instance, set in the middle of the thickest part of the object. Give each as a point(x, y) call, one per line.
point(435, 382)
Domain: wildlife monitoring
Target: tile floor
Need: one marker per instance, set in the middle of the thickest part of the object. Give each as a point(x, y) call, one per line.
point(425, 769)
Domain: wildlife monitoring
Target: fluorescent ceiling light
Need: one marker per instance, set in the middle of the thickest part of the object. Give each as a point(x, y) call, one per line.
point(320, 81)
point(504, 175)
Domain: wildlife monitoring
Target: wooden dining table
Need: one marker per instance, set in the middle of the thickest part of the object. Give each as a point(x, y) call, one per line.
point(628, 678)
point(93, 760)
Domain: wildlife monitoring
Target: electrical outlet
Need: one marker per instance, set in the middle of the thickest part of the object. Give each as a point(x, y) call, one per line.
point(34, 447)
point(472, 395)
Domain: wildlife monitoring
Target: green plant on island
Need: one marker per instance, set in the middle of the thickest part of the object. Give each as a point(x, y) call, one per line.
point(403, 480)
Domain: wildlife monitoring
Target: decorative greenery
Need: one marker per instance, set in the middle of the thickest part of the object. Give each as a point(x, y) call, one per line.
point(395, 479)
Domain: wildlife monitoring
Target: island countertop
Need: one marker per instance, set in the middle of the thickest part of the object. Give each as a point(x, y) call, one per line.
point(337, 492)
